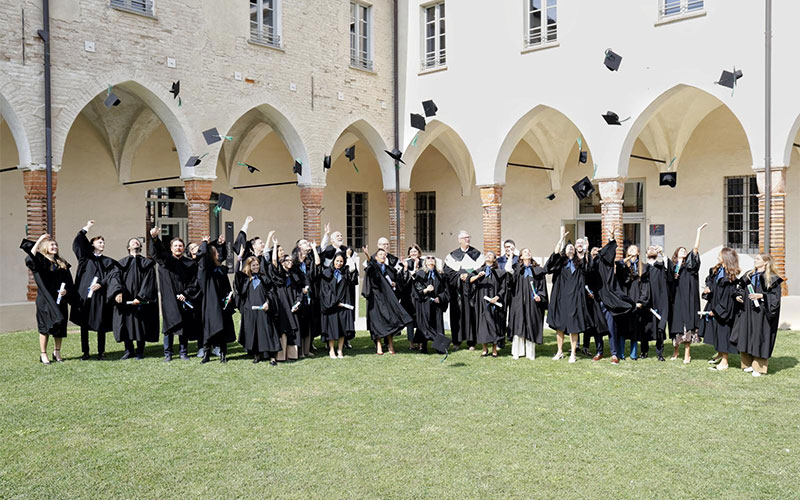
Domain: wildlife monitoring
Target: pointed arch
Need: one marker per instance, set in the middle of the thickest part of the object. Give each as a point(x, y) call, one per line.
point(445, 139)
point(363, 131)
point(791, 142)
point(17, 132)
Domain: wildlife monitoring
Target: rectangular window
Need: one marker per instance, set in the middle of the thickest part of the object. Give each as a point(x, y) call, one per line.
point(264, 22)
point(425, 215)
point(741, 213)
point(433, 34)
point(360, 40)
point(357, 236)
point(541, 22)
point(676, 8)
point(138, 6)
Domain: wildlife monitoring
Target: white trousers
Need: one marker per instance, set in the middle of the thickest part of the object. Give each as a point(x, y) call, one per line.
point(522, 347)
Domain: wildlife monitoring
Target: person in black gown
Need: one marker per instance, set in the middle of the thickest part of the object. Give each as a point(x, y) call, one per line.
point(568, 311)
point(655, 318)
point(599, 326)
point(459, 265)
point(632, 276)
point(528, 304)
point(54, 291)
point(92, 310)
point(684, 284)
point(337, 300)
point(289, 287)
point(756, 326)
point(721, 307)
point(255, 299)
point(304, 267)
point(488, 289)
point(217, 301)
point(385, 316)
point(410, 266)
point(177, 278)
point(134, 294)
point(328, 251)
point(429, 291)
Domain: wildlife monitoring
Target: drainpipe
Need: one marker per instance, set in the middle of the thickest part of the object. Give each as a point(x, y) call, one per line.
point(44, 34)
point(768, 126)
point(396, 133)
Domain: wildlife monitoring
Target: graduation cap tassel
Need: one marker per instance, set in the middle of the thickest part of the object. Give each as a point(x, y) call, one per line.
point(414, 141)
point(669, 167)
point(355, 167)
point(180, 101)
point(594, 172)
point(226, 137)
point(217, 210)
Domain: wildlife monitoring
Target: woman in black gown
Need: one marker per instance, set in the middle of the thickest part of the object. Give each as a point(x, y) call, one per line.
point(336, 285)
point(54, 290)
point(255, 299)
point(756, 326)
point(411, 265)
point(429, 290)
point(487, 288)
point(528, 293)
point(218, 303)
point(289, 295)
point(721, 307)
point(684, 288)
point(632, 274)
point(385, 316)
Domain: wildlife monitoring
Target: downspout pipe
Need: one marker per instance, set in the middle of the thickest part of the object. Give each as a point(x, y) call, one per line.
point(396, 129)
point(767, 126)
point(44, 34)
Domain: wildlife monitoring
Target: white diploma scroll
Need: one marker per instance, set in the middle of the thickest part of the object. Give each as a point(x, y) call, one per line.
point(91, 292)
point(63, 287)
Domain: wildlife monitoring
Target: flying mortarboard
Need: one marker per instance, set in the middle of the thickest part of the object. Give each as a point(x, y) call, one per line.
point(441, 343)
point(583, 156)
point(430, 108)
point(396, 155)
point(729, 79)
point(212, 135)
point(668, 179)
point(326, 162)
point(298, 168)
point(350, 153)
point(225, 202)
point(193, 161)
point(176, 89)
point(583, 188)
point(612, 118)
point(251, 168)
point(551, 196)
point(111, 100)
point(612, 60)
point(417, 121)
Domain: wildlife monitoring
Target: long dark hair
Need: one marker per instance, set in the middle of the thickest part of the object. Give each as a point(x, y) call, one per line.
point(730, 262)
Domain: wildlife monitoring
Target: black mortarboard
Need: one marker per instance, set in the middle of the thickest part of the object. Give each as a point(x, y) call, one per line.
point(176, 89)
point(417, 121)
point(612, 118)
point(441, 344)
point(193, 161)
point(111, 100)
point(583, 156)
point(224, 202)
point(728, 79)
point(211, 136)
point(396, 155)
point(298, 168)
point(668, 179)
point(551, 196)
point(251, 168)
point(430, 108)
point(612, 60)
point(350, 153)
point(583, 188)
point(326, 163)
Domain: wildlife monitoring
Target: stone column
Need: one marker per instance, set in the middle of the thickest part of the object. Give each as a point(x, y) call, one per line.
point(611, 191)
point(397, 226)
point(35, 184)
point(492, 202)
point(311, 198)
point(198, 196)
point(777, 221)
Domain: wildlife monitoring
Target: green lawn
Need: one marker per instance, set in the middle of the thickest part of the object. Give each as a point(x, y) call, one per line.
point(404, 426)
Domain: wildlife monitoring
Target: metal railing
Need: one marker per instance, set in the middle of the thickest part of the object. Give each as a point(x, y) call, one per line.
point(360, 60)
point(138, 6)
point(542, 36)
point(264, 35)
point(434, 60)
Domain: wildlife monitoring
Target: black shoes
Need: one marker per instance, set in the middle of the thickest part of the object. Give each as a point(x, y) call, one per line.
point(167, 357)
point(127, 355)
point(206, 356)
point(101, 356)
point(644, 355)
point(85, 357)
point(184, 357)
point(223, 357)
point(272, 362)
point(57, 356)
point(661, 358)
point(586, 352)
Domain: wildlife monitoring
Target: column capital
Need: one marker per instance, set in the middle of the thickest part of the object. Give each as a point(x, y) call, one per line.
point(778, 184)
point(198, 190)
point(492, 195)
point(611, 189)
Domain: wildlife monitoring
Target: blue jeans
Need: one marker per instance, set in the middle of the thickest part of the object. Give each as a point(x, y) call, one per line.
point(612, 329)
point(621, 348)
point(183, 342)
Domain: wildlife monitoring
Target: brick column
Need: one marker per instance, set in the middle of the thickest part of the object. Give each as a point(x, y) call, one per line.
point(35, 184)
point(611, 191)
point(311, 197)
point(397, 236)
point(492, 202)
point(198, 196)
point(777, 221)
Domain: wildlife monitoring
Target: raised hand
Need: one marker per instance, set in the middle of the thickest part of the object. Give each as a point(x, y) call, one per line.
point(365, 250)
point(702, 227)
point(155, 232)
point(248, 220)
point(207, 239)
point(89, 224)
point(221, 239)
point(327, 228)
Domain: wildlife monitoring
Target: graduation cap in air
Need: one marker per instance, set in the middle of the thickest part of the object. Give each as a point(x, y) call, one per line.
point(176, 89)
point(441, 344)
point(612, 60)
point(251, 168)
point(729, 79)
point(417, 121)
point(193, 161)
point(112, 100)
point(668, 179)
point(583, 156)
point(225, 202)
point(212, 135)
point(583, 188)
point(350, 153)
point(612, 118)
point(298, 168)
point(396, 155)
point(551, 196)
point(430, 108)
point(326, 162)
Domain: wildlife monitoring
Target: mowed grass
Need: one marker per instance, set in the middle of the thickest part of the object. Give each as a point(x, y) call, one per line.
point(403, 426)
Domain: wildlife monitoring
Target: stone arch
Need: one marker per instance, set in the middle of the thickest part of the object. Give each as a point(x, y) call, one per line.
point(361, 130)
point(445, 139)
point(17, 131)
point(791, 142)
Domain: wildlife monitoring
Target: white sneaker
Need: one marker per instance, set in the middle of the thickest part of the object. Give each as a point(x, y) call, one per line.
point(572, 359)
point(558, 356)
point(756, 374)
point(748, 369)
point(714, 361)
point(515, 357)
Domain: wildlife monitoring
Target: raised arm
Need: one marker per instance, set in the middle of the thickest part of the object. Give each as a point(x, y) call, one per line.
point(80, 245)
point(696, 248)
point(326, 236)
point(316, 253)
point(274, 250)
point(560, 245)
point(35, 248)
point(157, 249)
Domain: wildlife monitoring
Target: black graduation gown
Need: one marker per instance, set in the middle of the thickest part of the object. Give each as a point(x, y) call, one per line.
point(288, 292)
point(385, 315)
point(462, 316)
point(217, 313)
point(755, 328)
point(51, 317)
point(177, 276)
point(684, 287)
point(611, 294)
point(526, 316)
point(594, 280)
point(338, 322)
point(407, 299)
point(327, 254)
point(428, 314)
point(257, 329)
point(309, 313)
point(93, 313)
point(135, 278)
point(716, 330)
point(654, 328)
point(490, 324)
point(568, 311)
point(631, 325)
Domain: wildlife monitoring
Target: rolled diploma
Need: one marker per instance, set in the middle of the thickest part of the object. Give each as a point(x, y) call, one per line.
point(63, 287)
point(91, 292)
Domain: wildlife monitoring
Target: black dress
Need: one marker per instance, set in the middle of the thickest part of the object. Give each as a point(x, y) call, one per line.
point(568, 311)
point(51, 314)
point(135, 278)
point(92, 313)
point(755, 327)
point(288, 293)
point(684, 288)
point(429, 315)
point(218, 304)
point(716, 330)
point(385, 315)
point(526, 316)
point(462, 319)
point(654, 328)
point(631, 325)
point(611, 294)
point(337, 322)
point(177, 276)
point(257, 330)
point(490, 326)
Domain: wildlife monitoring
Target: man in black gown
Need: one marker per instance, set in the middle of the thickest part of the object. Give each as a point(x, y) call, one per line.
point(459, 265)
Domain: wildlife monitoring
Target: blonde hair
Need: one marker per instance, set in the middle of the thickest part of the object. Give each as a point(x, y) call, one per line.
point(247, 263)
point(53, 257)
point(769, 268)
